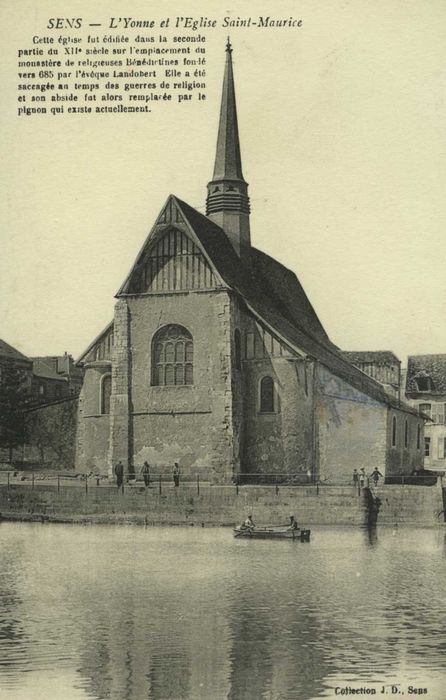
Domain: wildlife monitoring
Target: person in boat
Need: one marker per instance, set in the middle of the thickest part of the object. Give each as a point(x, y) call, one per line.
point(249, 523)
point(293, 523)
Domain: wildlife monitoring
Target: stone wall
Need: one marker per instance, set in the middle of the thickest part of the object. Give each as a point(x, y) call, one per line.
point(51, 431)
point(280, 442)
point(191, 425)
point(403, 458)
point(217, 505)
point(226, 505)
point(351, 429)
point(92, 438)
point(411, 505)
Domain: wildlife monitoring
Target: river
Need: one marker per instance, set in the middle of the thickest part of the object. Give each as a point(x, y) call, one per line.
point(127, 613)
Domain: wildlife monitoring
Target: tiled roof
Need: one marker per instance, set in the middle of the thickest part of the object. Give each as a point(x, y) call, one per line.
point(371, 356)
point(44, 370)
point(275, 294)
point(265, 277)
point(432, 366)
point(62, 365)
point(10, 353)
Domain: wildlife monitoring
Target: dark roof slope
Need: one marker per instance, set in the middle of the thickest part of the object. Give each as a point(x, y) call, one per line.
point(274, 293)
point(265, 273)
point(10, 353)
point(433, 366)
point(45, 370)
point(283, 285)
point(370, 356)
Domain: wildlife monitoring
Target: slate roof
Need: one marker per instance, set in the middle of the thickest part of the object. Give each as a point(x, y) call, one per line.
point(61, 365)
point(433, 366)
point(380, 357)
point(10, 353)
point(274, 294)
point(45, 371)
point(265, 278)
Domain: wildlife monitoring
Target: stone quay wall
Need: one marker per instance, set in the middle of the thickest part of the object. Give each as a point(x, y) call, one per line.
point(220, 505)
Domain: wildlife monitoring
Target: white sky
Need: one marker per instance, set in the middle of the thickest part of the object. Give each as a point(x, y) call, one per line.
point(342, 128)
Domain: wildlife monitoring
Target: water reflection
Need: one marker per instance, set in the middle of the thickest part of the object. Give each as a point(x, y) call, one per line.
point(13, 640)
point(126, 613)
point(372, 536)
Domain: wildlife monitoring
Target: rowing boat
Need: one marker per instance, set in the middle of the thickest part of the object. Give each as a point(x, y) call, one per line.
point(274, 533)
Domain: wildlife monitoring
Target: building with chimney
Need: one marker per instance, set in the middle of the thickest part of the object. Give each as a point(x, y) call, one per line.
point(55, 377)
point(216, 359)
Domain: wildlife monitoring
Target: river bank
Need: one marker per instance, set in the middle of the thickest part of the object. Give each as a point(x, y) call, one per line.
point(222, 505)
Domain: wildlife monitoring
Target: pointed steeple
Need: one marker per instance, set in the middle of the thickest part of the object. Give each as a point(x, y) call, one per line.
point(228, 162)
point(227, 202)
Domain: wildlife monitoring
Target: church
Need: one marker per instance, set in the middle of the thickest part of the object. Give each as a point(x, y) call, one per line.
point(216, 359)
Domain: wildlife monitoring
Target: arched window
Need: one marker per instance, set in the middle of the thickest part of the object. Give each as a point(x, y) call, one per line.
point(406, 434)
point(238, 349)
point(393, 431)
point(418, 437)
point(106, 384)
point(267, 395)
point(172, 357)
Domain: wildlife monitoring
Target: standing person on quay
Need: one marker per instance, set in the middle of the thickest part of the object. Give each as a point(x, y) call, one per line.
point(362, 477)
point(146, 473)
point(375, 475)
point(355, 477)
point(176, 474)
point(119, 472)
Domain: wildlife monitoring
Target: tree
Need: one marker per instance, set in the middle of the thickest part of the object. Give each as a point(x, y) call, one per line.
point(14, 395)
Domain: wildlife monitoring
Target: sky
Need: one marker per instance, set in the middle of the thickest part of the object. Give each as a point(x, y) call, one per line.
point(343, 144)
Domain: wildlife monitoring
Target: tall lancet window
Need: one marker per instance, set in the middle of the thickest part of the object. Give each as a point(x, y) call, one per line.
point(172, 357)
point(238, 349)
point(267, 403)
point(106, 385)
point(393, 431)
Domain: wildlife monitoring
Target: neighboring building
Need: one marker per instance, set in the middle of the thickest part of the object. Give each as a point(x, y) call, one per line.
point(15, 388)
point(217, 360)
point(12, 358)
point(47, 378)
point(38, 408)
point(426, 390)
point(55, 377)
point(382, 365)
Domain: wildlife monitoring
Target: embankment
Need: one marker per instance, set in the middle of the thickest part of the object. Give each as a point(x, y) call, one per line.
point(220, 505)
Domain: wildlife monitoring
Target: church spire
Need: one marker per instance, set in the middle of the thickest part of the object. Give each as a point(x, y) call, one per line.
point(227, 202)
